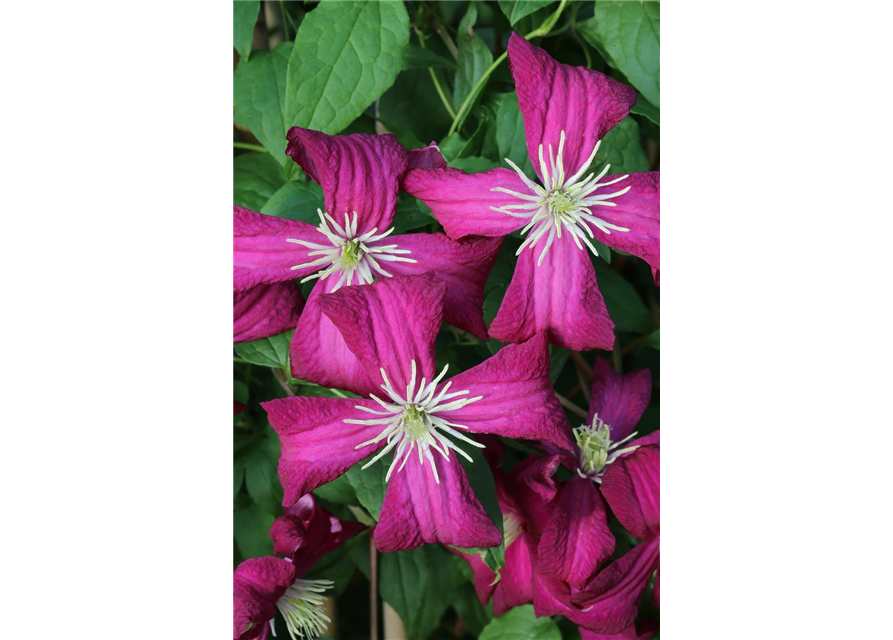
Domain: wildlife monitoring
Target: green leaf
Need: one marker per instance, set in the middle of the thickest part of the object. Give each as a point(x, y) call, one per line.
point(259, 98)
point(473, 164)
point(251, 529)
point(259, 461)
point(411, 213)
point(337, 565)
point(474, 58)
point(510, 133)
point(346, 55)
point(653, 340)
point(369, 484)
point(416, 584)
point(622, 148)
point(625, 306)
point(514, 10)
point(481, 480)
point(520, 623)
point(244, 16)
point(418, 58)
point(628, 33)
point(474, 615)
point(256, 177)
point(338, 491)
point(296, 201)
point(558, 356)
point(267, 352)
point(412, 105)
point(645, 108)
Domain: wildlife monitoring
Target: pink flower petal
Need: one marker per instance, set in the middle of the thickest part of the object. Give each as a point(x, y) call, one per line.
point(619, 399)
point(577, 540)
point(515, 587)
point(317, 445)
point(462, 202)
point(560, 297)
point(462, 264)
point(629, 633)
point(538, 475)
point(518, 399)
point(637, 210)
point(261, 252)
point(258, 583)
point(426, 158)
point(266, 310)
point(631, 485)
point(357, 172)
point(555, 97)
point(611, 601)
point(417, 510)
point(389, 323)
point(319, 354)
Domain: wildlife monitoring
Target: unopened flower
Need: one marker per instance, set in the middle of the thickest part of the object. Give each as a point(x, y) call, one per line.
point(567, 111)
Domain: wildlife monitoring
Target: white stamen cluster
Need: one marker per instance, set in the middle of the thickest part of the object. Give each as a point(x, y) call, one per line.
point(355, 256)
point(563, 203)
point(596, 449)
point(301, 606)
point(414, 422)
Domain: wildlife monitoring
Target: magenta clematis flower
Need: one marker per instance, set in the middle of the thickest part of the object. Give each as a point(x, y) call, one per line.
point(577, 541)
point(360, 175)
point(567, 111)
point(261, 585)
point(266, 310)
point(390, 327)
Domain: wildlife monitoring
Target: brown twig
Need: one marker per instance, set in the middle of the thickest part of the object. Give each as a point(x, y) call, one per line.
point(570, 406)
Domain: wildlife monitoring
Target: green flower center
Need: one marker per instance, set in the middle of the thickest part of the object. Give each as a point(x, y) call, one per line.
point(414, 423)
point(559, 203)
point(351, 253)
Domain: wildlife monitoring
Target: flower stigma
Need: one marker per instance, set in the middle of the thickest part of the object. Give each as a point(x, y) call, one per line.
point(562, 204)
point(301, 606)
point(414, 422)
point(351, 255)
point(596, 449)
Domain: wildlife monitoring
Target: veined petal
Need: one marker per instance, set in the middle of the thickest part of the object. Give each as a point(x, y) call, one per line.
point(317, 445)
point(463, 203)
point(619, 399)
point(639, 211)
point(559, 297)
point(630, 633)
point(518, 399)
point(426, 158)
point(357, 172)
point(463, 265)
point(258, 583)
point(266, 310)
point(576, 541)
point(555, 97)
point(631, 485)
point(611, 600)
point(390, 323)
point(318, 352)
point(262, 253)
point(417, 510)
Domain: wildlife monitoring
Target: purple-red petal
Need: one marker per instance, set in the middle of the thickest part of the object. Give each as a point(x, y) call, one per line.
point(631, 485)
point(258, 583)
point(266, 310)
point(619, 399)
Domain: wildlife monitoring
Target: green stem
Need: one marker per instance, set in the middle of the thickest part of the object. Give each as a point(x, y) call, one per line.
point(284, 19)
point(250, 147)
point(542, 30)
point(436, 82)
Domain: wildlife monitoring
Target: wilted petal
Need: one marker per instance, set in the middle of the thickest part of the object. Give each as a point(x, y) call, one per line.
point(262, 253)
point(619, 399)
point(417, 510)
point(426, 158)
point(462, 202)
point(555, 97)
point(560, 297)
point(258, 583)
point(577, 540)
point(518, 399)
point(637, 210)
point(389, 323)
point(266, 310)
point(357, 172)
point(631, 485)
point(611, 600)
point(317, 445)
point(462, 264)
